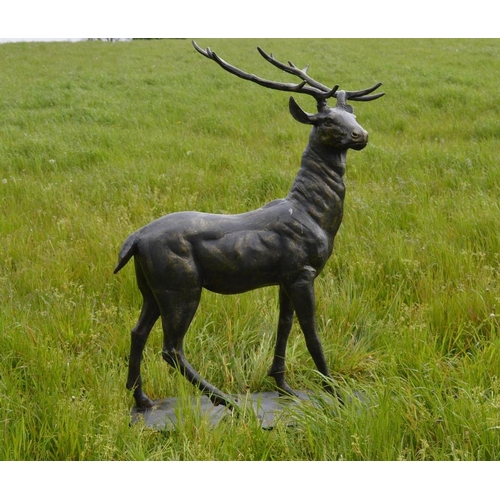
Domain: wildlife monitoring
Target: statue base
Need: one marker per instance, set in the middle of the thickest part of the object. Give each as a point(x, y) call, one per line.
point(269, 408)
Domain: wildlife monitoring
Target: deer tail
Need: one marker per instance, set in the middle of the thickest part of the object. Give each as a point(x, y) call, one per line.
point(128, 249)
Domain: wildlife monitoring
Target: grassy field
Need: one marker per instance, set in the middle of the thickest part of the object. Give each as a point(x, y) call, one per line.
point(98, 139)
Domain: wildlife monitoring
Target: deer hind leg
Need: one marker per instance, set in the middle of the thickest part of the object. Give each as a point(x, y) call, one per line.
point(284, 327)
point(177, 312)
point(139, 336)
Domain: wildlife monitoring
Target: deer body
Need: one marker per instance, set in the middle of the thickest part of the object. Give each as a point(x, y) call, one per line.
point(286, 243)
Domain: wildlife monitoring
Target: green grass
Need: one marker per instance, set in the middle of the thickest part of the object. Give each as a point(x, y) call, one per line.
point(98, 139)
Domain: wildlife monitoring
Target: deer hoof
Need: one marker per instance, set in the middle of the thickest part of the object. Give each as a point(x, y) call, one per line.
point(286, 390)
point(334, 392)
point(224, 401)
point(282, 387)
point(142, 401)
point(218, 400)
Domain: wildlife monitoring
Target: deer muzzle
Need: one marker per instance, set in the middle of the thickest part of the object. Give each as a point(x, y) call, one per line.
point(359, 138)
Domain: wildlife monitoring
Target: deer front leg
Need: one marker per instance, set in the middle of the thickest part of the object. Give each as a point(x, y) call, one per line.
point(302, 295)
point(284, 327)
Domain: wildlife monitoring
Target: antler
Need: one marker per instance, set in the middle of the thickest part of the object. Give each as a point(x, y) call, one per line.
point(302, 88)
point(308, 85)
point(292, 69)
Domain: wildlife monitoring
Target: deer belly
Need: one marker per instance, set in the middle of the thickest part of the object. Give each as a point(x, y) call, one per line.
point(240, 261)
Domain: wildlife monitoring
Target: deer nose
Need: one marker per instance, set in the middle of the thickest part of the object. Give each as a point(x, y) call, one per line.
point(359, 134)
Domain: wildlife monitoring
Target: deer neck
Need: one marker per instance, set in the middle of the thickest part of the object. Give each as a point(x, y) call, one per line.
point(319, 188)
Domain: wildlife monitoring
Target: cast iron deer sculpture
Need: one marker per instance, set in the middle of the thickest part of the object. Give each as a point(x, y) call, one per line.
point(285, 243)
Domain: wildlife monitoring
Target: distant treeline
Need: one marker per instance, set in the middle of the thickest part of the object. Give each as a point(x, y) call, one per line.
point(123, 39)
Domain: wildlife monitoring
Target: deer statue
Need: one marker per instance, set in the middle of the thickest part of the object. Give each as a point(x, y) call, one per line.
point(285, 243)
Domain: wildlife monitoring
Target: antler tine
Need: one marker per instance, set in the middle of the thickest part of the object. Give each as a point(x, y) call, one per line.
point(207, 52)
point(317, 93)
point(361, 95)
point(292, 69)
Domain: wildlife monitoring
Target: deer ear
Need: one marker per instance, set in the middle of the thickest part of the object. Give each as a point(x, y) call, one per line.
point(299, 114)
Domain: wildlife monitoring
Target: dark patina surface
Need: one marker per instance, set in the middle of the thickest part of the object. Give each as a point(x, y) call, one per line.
point(286, 243)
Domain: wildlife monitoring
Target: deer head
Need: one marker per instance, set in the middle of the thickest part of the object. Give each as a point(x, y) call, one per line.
point(332, 127)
